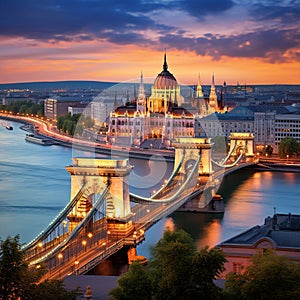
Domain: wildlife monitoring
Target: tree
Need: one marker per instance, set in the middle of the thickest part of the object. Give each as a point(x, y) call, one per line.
point(59, 123)
point(207, 265)
point(18, 281)
point(171, 265)
point(14, 275)
point(67, 123)
point(24, 107)
point(288, 146)
point(135, 284)
point(268, 277)
point(176, 271)
point(268, 150)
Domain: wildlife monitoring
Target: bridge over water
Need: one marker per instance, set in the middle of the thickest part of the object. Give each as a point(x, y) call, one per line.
point(102, 217)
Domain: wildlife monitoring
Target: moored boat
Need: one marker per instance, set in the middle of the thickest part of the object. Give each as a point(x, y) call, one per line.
point(38, 140)
point(9, 127)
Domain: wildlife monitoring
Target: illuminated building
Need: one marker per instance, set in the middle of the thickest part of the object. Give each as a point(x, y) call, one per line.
point(159, 116)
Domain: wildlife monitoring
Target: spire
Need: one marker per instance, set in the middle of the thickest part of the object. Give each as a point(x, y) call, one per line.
point(213, 99)
point(199, 93)
point(141, 100)
point(165, 66)
point(142, 89)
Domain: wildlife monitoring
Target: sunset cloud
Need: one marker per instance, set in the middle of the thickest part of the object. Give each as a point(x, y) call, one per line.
point(210, 30)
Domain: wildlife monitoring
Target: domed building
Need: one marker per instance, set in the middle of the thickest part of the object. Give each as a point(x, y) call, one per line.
point(159, 117)
point(165, 92)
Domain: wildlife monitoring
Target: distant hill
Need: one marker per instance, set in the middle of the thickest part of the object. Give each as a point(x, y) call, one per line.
point(58, 85)
point(85, 85)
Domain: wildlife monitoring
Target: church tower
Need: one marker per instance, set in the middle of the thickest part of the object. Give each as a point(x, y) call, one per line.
point(141, 101)
point(213, 99)
point(199, 101)
point(199, 92)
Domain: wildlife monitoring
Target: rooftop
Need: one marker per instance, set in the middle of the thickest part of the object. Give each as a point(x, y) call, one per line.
point(282, 229)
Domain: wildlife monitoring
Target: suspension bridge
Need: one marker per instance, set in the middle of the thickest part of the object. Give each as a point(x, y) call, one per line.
point(103, 217)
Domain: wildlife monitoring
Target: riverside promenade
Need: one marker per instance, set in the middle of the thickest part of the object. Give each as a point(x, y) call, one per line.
point(44, 128)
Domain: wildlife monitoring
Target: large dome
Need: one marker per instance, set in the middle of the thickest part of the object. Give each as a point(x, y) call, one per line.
point(165, 80)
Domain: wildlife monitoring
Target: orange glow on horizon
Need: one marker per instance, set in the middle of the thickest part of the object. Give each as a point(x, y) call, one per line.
point(113, 63)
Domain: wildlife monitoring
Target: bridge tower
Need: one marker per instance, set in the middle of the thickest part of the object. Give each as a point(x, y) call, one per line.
point(93, 176)
point(241, 141)
point(189, 149)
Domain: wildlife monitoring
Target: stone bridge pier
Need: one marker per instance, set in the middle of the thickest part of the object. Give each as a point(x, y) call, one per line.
point(189, 149)
point(92, 177)
point(241, 141)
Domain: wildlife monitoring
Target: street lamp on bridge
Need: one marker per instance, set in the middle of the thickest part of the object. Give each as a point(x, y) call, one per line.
point(84, 244)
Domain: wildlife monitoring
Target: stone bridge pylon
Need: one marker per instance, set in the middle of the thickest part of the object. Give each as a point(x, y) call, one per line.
point(187, 151)
point(93, 176)
point(241, 142)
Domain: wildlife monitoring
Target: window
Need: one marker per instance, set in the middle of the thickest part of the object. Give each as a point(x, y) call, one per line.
point(237, 268)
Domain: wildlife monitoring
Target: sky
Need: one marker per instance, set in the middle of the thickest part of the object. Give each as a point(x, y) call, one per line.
point(240, 41)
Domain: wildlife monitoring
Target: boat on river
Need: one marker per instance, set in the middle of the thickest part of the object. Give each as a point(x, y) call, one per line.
point(38, 140)
point(9, 127)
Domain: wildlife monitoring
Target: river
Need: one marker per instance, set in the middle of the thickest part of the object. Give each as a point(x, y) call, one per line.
point(34, 187)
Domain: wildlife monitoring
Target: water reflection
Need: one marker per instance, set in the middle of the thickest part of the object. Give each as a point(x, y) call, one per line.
point(249, 198)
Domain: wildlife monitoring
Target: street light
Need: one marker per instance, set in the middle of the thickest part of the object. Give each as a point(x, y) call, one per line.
point(84, 244)
point(90, 235)
point(76, 264)
point(64, 226)
point(60, 257)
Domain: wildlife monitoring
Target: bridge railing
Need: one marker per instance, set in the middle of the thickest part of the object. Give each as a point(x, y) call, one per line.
point(69, 241)
point(53, 233)
point(147, 214)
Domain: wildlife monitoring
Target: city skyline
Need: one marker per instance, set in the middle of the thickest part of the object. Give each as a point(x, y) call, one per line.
point(253, 42)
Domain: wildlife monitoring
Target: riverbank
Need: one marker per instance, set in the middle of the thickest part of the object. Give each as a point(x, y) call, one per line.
point(43, 129)
point(278, 165)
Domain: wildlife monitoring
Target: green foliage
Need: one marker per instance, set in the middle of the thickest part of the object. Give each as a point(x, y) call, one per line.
point(72, 124)
point(288, 146)
point(207, 264)
point(12, 267)
point(17, 281)
point(135, 284)
point(269, 277)
point(171, 265)
point(268, 149)
point(176, 271)
point(24, 107)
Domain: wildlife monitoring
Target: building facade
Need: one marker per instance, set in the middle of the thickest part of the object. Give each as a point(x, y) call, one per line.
point(54, 108)
point(286, 125)
point(269, 124)
point(280, 233)
point(163, 115)
point(160, 116)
